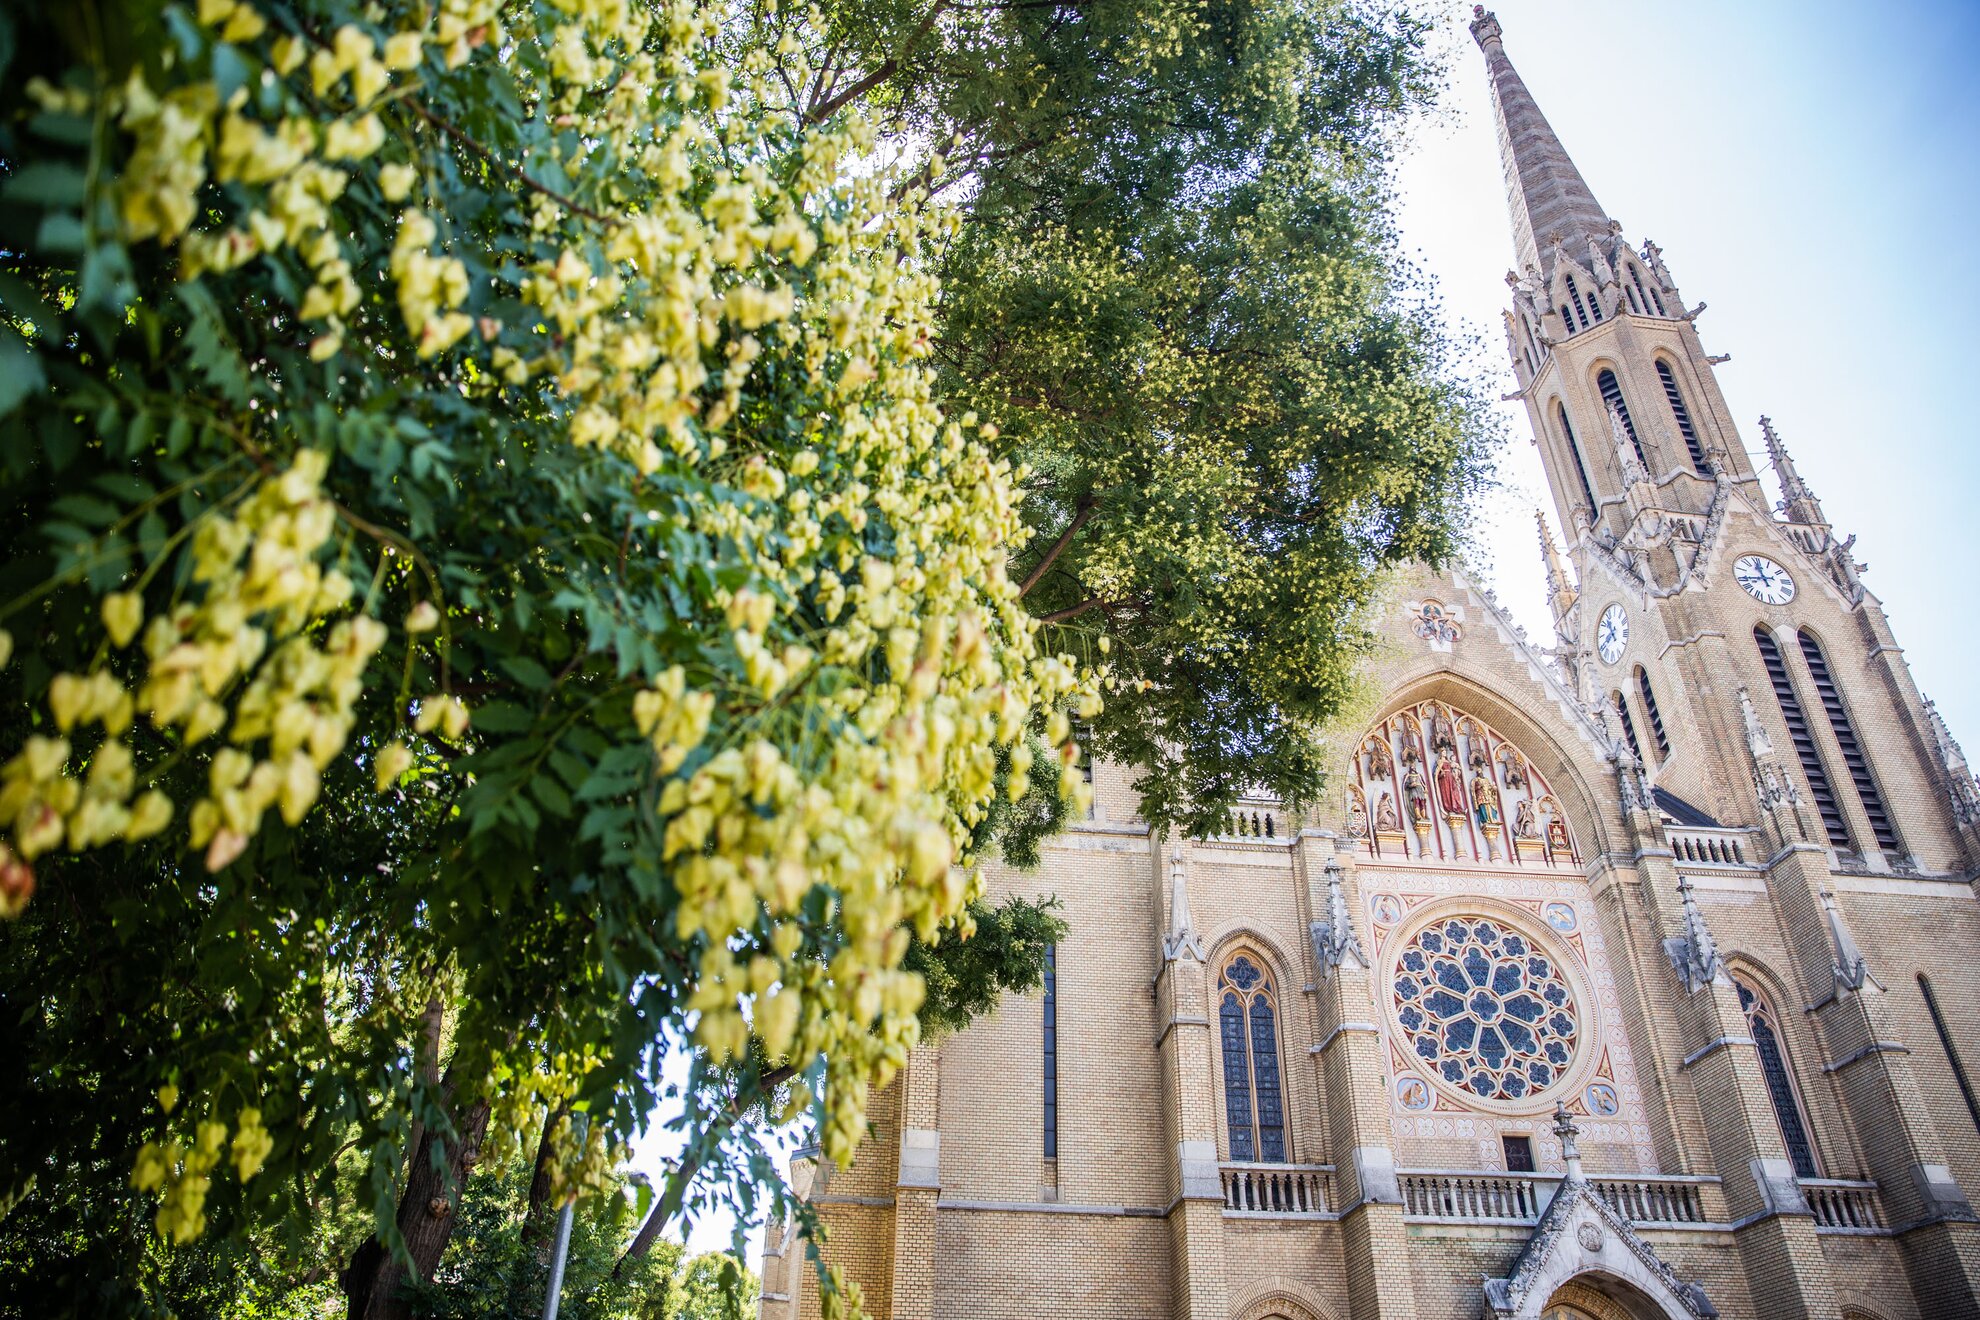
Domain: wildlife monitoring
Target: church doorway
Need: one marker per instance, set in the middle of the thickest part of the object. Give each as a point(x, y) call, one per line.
point(1598, 1297)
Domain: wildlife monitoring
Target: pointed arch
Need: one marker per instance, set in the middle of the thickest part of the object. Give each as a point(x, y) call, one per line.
point(1574, 451)
point(1612, 397)
point(1248, 1008)
point(1763, 1023)
point(1854, 758)
point(1648, 695)
point(1580, 309)
point(1682, 415)
point(1819, 787)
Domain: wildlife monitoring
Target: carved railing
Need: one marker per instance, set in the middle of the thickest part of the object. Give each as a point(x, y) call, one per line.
point(1812, 539)
point(1446, 1194)
point(1843, 1204)
point(1255, 820)
point(1643, 1199)
point(1653, 1200)
point(1710, 847)
point(1277, 1190)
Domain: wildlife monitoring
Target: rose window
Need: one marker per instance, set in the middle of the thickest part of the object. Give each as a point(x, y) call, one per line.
point(1485, 1008)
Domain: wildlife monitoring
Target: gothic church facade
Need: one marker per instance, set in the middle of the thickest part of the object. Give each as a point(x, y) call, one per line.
point(1629, 975)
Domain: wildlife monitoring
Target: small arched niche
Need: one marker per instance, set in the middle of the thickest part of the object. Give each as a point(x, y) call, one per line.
point(1434, 783)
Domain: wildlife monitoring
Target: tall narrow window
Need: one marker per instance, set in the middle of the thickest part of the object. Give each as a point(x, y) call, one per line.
point(1683, 415)
point(1580, 467)
point(1612, 397)
point(1658, 298)
point(1649, 696)
point(1636, 278)
point(1630, 293)
point(1852, 750)
point(1804, 742)
point(1760, 1020)
point(1567, 319)
point(1629, 725)
point(1952, 1054)
point(1574, 296)
point(1051, 1051)
point(1248, 1029)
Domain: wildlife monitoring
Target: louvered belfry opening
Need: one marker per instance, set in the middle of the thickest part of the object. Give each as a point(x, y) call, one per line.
point(1804, 743)
point(1621, 704)
point(1580, 467)
point(1612, 397)
point(1852, 750)
point(1574, 296)
point(1683, 416)
point(1649, 695)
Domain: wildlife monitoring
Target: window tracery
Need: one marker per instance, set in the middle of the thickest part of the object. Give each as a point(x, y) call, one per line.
point(1765, 1026)
point(1247, 1020)
point(1435, 783)
point(1485, 1008)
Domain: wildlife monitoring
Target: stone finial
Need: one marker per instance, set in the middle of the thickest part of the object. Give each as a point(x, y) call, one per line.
point(1798, 503)
point(1334, 939)
point(1567, 1131)
point(1485, 28)
point(1851, 970)
point(1694, 955)
point(1757, 741)
point(1182, 941)
point(1963, 786)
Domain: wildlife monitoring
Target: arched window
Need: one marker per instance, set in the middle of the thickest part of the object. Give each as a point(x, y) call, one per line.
point(1765, 1026)
point(1683, 415)
point(1629, 725)
point(1580, 467)
point(1612, 397)
point(1804, 742)
point(1247, 1025)
point(1649, 697)
point(1630, 293)
point(1567, 319)
point(1636, 278)
point(1852, 750)
point(1574, 296)
point(1952, 1053)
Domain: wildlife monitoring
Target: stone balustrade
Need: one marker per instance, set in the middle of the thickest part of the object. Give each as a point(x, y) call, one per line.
point(1451, 1195)
point(1277, 1190)
point(1843, 1205)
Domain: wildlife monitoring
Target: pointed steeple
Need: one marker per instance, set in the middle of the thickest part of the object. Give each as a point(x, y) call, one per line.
point(1798, 502)
point(1561, 594)
point(1549, 199)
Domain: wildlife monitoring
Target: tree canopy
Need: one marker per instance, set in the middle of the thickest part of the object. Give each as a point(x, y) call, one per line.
point(540, 530)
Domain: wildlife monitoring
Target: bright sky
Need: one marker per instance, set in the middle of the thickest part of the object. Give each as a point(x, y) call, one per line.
point(1809, 170)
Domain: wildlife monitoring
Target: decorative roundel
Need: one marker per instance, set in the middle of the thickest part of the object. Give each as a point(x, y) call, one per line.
point(1484, 1009)
point(1612, 634)
point(1764, 580)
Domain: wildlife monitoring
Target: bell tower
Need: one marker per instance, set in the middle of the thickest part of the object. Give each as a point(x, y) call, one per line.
point(1634, 433)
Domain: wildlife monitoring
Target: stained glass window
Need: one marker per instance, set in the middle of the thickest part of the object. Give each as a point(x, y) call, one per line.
point(1780, 1084)
point(1254, 1111)
point(1485, 1008)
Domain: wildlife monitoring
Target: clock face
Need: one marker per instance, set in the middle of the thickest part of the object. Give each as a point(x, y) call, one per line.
point(1612, 634)
point(1764, 580)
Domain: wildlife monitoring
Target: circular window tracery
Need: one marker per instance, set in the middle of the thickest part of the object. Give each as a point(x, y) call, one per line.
point(1485, 1008)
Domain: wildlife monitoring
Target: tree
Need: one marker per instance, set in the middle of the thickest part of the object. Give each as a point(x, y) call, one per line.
point(1174, 295)
point(489, 579)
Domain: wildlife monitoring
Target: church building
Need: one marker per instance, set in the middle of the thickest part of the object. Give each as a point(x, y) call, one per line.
point(1626, 975)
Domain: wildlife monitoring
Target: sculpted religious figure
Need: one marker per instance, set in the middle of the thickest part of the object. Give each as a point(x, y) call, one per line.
point(1450, 787)
point(1418, 797)
point(1385, 815)
point(1487, 799)
point(1442, 738)
point(1512, 769)
point(1523, 824)
point(1380, 764)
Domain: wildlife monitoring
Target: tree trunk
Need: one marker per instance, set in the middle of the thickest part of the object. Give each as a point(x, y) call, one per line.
point(374, 1284)
point(537, 1219)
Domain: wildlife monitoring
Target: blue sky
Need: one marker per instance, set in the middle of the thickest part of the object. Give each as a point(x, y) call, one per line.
point(1812, 171)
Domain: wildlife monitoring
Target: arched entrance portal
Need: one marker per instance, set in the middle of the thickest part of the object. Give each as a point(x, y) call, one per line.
point(1599, 1297)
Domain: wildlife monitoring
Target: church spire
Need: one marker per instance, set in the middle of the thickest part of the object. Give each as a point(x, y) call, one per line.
point(1561, 594)
point(1549, 199)
point(1798, 502)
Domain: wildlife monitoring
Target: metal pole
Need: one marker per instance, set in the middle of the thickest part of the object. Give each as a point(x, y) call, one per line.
point(581, 1124)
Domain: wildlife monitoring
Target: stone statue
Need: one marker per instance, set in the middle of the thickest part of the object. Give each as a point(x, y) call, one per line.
point(1487, 799)
point(1450, 787)
point(1380, 764)
point(1523, 825)
point(1385, 815)
point(1418, 797)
